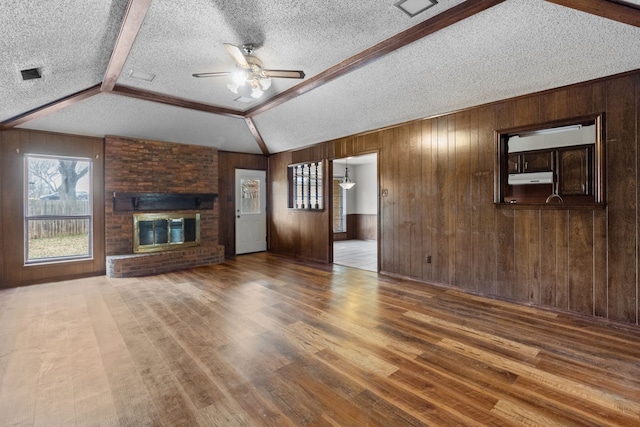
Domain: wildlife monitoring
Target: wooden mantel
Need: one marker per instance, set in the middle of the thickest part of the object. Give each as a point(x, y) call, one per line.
point(162, 201)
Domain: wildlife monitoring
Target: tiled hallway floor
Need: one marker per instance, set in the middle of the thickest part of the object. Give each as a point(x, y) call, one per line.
point(362, 254)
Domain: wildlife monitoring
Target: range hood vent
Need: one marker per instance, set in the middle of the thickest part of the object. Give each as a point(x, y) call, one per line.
point(531, 178)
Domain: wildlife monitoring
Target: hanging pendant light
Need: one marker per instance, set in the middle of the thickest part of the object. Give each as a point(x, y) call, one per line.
point(345, 182)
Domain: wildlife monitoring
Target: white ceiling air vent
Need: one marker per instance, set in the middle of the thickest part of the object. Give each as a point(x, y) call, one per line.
point(414, 7)
point(142, 75)
point(244, 99)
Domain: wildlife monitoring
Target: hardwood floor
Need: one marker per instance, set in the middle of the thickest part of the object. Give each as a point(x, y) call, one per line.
point(264, 340)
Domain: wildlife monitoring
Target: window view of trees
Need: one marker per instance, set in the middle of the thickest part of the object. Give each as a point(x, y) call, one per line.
point(57, 208)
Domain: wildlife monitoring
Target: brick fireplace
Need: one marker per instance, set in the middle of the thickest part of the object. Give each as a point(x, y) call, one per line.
point(152, 167)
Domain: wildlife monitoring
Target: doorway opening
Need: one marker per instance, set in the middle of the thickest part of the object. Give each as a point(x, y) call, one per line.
point(355, 212)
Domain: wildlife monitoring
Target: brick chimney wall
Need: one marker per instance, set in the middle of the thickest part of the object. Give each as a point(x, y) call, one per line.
point(145, 166)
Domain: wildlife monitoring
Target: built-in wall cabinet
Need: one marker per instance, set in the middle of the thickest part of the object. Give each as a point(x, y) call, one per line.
point(557, 163)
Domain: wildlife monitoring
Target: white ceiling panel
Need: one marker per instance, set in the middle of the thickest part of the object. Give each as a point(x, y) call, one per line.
point(515, 48)
point(108, 114)
point(71, 41)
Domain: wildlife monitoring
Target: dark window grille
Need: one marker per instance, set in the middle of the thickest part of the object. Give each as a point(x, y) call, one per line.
point(305, 183)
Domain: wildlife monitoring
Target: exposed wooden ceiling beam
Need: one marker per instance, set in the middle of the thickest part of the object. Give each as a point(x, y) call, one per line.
point(176, 102)
point(254, 131)
point(50, 108)
point(605, 8)
point(134, 16)
point(423, 29)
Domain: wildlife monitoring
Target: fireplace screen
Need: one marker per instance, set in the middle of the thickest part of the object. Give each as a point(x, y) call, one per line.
point(165, 231)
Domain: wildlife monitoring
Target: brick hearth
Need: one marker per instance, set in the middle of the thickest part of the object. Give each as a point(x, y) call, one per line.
point(162, 262)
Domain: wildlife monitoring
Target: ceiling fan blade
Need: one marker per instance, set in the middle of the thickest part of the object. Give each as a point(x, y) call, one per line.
point(218, 74)
point(237, 55)
point(285, 74)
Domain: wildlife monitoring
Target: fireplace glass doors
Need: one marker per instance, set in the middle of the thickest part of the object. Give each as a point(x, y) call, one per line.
point(155, 232)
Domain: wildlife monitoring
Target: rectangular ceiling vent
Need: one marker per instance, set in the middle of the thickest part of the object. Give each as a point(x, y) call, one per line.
point(244, 99)
point(31, 73)
point(142, 75)
point(414, 7)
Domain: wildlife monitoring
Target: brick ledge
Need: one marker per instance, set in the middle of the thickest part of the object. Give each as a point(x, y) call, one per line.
point(134, 265)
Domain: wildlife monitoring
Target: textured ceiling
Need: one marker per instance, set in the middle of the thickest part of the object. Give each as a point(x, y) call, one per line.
point(149, 120)
point(179, 38)
point(514, 48)
point(70, 40)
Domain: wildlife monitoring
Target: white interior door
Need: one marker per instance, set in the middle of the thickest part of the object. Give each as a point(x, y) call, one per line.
point(251, 212)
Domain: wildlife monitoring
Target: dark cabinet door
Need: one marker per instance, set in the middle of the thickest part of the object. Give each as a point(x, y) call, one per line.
point(574, 177)
point(541, 161)
point(513, 163)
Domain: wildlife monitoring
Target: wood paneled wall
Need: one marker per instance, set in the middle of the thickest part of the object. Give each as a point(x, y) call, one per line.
point(13, 145)
point(297, 233)
point(361, 227)
point(228, 163)
point(439, 174)
point(366, 227)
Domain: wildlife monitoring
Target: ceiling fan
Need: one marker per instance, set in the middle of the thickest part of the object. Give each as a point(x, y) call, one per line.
point(249, 78)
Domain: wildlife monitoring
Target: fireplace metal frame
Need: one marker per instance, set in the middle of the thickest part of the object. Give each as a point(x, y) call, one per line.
point(159, 247)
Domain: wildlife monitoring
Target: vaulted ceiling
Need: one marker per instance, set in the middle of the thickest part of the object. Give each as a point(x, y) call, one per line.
point(367, 64)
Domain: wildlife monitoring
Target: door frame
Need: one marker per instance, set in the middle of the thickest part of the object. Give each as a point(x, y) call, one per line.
point(267, 205)
point(378, 203)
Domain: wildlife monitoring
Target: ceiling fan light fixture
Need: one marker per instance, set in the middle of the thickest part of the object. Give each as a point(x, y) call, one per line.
point(233, 88)
point(249, 79)
point(256, 92)
point(239, 76)
point(265, 83)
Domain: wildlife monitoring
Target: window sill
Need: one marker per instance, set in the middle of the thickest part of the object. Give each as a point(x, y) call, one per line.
point(305, 210)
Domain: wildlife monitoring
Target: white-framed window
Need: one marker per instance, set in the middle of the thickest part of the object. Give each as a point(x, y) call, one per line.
point(58, 216)
point(339, 218)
